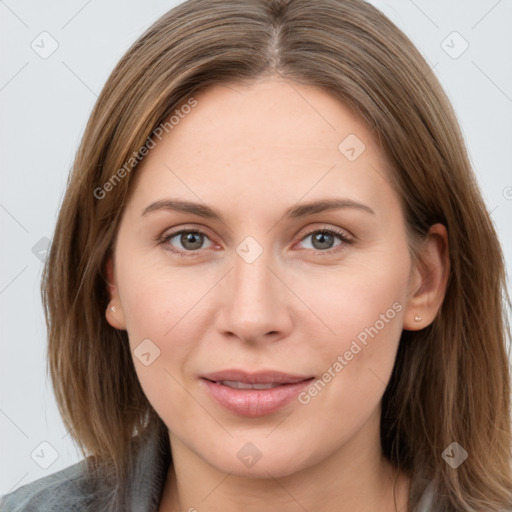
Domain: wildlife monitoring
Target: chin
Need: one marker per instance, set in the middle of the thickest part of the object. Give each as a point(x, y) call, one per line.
point(260, 460)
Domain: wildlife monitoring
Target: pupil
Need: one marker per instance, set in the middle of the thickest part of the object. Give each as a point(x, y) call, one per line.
point(321, 237)
point(189, 238)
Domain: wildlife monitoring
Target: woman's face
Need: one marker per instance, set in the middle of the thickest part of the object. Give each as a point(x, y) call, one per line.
point(254, 294)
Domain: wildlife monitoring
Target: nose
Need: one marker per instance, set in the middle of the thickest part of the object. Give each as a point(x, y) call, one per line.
point(255, 302)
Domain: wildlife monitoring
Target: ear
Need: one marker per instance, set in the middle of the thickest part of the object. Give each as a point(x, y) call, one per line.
point(429, 279)
point(114, 313)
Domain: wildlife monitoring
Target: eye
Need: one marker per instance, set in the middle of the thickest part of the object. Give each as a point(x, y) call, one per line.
point(323, 240)
point(190, 240)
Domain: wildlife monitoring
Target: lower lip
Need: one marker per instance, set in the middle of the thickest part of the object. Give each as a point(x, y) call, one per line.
point(254, 402)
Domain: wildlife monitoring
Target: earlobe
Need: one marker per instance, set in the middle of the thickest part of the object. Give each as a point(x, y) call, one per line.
point(114, 312)
point(429, 280)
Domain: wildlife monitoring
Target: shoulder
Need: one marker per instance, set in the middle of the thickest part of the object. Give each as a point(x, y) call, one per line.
point(76, 489)
point(425, 502)
point(67, 489)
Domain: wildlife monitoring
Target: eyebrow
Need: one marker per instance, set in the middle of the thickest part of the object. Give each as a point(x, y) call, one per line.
point(302, 210)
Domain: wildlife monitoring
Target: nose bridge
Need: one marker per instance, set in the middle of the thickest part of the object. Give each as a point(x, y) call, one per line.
point(255, 305)
point(252, 290)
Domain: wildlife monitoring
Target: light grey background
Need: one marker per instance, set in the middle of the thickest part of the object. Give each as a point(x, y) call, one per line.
point(45, 105)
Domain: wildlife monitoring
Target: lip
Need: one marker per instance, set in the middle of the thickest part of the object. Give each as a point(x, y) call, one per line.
point(254, 402)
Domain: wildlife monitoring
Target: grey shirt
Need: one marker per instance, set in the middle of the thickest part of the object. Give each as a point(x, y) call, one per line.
point(69, 490)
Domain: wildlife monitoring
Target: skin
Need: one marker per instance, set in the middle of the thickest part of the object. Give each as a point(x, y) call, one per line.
point(251, 152)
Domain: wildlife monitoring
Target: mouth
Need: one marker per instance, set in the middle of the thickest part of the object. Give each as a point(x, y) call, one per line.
point(253, 394)
point(235, 384)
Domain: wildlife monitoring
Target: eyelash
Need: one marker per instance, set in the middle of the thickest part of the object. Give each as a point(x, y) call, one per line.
point(163, 239)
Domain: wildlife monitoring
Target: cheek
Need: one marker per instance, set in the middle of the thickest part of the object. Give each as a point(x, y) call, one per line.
point(363, 308)
point(356, 302)
point(158, 301)
point(163, 329)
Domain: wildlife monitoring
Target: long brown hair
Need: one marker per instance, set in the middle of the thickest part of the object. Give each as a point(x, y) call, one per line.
point(450, 382)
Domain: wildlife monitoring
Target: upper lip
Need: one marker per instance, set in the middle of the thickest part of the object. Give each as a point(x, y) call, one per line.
point(259, 377)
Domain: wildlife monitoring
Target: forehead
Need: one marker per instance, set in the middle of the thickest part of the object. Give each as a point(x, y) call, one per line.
point(269, 114)
point(271, 140)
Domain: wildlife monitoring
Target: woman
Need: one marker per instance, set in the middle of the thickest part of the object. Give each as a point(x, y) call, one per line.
point(274, 284)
